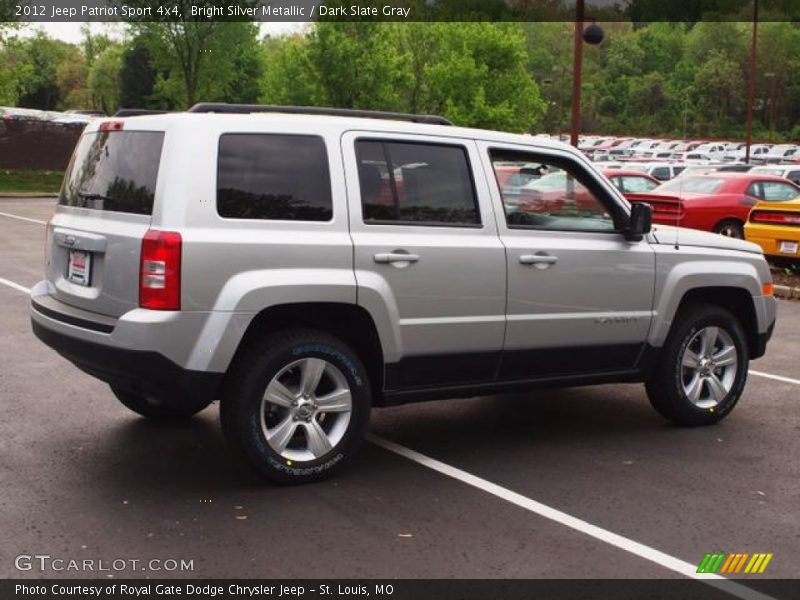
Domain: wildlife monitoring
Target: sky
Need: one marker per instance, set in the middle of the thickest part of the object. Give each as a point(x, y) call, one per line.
point(71, 32)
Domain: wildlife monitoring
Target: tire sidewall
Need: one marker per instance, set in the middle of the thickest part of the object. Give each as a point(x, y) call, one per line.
point(255, 443)
point(731, 326)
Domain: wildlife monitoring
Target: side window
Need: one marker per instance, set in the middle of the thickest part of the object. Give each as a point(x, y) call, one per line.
point(775, 191)
point(274, 177)
point(661, 173)
point(755, 190)
point(556, 199)
point(794, 176)
point(416, 183)
point(636, 185)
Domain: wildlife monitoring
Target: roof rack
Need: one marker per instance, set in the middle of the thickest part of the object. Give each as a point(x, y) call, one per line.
point(221, 107)
point(138, 112)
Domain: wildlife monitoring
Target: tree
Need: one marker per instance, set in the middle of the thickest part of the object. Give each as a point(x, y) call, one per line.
point(104, 79)
point(359, 65)
point(38, 59)
point(477, 76)
point(203, 60)
point(137, 77)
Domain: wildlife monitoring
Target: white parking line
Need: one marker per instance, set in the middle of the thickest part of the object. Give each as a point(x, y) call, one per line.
point(775, 377)
point(604, 535)
point(16, 286)
point(10, 216)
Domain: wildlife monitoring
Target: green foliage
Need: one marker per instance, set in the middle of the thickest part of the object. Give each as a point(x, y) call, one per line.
point(659, 79)
point(137, 77)
point(473, 73)
point(104, 79)
point(202, 60)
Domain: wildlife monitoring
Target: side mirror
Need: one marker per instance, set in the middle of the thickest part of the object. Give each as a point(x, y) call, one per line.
point(641, 221)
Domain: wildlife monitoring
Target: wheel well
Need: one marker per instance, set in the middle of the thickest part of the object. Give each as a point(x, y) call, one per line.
point(728, 220)
point(350, 323)
point(736, 300)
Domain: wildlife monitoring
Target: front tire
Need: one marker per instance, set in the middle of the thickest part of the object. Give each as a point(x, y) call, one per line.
point(297, 406)
point(703, 368)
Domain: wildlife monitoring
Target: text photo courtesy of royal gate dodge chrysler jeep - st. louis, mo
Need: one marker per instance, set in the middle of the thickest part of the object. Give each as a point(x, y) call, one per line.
point(399, 299)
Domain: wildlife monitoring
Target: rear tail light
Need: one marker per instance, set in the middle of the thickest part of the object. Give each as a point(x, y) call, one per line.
point(775, 218)
point(160, 271)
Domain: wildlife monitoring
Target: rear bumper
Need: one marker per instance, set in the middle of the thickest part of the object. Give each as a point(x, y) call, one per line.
point(153, 352)
point(141, 371)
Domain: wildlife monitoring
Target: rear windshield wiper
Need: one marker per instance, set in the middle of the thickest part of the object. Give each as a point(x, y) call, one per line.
point(88, 196)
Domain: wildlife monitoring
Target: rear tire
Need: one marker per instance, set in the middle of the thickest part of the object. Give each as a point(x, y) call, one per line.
point(703, 368)
point(153, 408)
point(273, 411)
point(730, 228)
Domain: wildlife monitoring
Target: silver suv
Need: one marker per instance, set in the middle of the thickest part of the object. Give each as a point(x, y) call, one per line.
point(303, 268)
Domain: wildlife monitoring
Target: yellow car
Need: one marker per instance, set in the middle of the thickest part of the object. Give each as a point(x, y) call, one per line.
point(775, 226)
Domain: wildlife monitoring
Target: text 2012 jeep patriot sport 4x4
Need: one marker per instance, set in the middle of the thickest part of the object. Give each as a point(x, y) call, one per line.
point(304, 267)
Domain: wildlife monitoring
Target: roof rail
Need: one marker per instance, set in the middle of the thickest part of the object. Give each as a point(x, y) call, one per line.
point(138, 112)
point(221, 107)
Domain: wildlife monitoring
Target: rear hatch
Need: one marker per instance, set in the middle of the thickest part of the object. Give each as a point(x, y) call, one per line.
point(104, 210)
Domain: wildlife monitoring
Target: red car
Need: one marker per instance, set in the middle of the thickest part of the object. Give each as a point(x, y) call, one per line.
point(718, 202)
point(631, 182)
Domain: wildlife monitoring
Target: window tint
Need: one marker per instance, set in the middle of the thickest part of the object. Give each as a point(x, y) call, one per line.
point(114, 170)
point(634, 185)
point(775, 191)
point(416, 183)
point(276, 177)
point(556, 199)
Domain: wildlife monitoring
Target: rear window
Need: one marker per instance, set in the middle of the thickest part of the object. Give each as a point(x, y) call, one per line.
point(273, 177)
point(693, 185)
point(114, 170)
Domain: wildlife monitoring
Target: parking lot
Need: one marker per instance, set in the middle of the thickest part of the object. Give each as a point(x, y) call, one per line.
point(584, 482)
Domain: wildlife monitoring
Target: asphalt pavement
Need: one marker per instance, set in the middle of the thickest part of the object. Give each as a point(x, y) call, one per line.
point(582, 482)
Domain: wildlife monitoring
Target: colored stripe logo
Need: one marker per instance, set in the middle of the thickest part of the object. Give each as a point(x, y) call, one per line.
point(737, 562)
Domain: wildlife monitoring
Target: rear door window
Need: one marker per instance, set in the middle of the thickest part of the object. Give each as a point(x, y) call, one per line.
point(416, 183)
point(115, 171)
point(273, 177)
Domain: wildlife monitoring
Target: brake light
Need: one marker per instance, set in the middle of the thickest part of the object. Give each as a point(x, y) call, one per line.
point(775, 218)
point(112, 126)
point(160, 271)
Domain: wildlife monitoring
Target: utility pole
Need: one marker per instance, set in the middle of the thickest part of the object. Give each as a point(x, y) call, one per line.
point(751, 84)
point(577, 66)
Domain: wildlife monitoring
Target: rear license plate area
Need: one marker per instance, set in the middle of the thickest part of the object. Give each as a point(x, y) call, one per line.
point(79, 269)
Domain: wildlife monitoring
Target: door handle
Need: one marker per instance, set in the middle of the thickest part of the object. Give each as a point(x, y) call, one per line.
point(395, 257)
point(541, 260)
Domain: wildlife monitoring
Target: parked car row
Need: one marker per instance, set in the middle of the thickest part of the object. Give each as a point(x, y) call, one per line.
point(628, 148)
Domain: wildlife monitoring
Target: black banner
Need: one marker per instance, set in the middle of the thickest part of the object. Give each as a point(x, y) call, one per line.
point(545, 589)
point(395, 10)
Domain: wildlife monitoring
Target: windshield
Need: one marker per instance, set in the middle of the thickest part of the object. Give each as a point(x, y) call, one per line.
point(114, 170)
point(694, 185)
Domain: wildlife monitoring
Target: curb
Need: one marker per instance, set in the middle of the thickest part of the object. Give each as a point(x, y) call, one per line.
point(28, 195)
point(784, 291)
